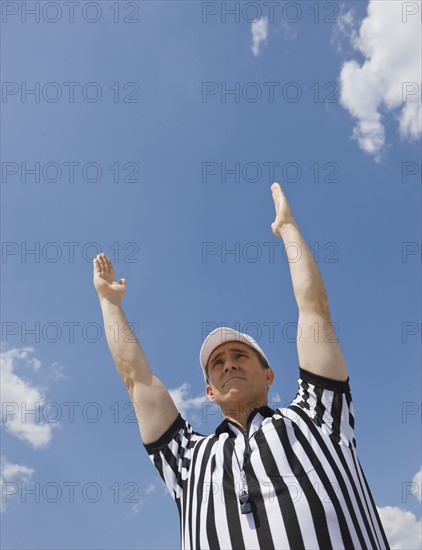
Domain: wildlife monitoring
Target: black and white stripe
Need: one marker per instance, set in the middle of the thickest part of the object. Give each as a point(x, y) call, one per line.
point(304, 479)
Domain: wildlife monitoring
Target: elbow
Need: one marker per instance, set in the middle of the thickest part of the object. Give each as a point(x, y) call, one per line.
point(126, 373)
point(129, 383)
point(131, 373)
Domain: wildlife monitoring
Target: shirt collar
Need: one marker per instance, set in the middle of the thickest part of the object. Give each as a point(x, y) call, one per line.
point(224, 427)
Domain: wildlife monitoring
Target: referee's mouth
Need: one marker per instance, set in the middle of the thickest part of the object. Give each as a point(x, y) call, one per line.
point(233, 378)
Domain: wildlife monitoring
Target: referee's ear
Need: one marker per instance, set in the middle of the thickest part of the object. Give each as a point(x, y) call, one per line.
point(269, 376)
point(209, 392)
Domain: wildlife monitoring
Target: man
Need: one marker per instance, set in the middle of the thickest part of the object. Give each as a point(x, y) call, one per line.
point(267, 479)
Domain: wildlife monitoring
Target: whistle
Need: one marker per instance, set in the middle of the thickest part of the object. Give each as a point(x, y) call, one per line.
point(245, 504)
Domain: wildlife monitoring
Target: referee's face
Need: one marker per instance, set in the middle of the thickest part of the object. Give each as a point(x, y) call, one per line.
point(236, 377)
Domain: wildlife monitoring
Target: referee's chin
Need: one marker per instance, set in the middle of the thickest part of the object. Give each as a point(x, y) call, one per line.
point(237, 405)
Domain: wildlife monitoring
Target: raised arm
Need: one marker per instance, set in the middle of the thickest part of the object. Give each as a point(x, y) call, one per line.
point(317, 344)
point(154, 407)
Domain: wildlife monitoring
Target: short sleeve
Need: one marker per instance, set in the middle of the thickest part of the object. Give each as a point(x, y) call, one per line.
point(172, 454)
point(328, 403)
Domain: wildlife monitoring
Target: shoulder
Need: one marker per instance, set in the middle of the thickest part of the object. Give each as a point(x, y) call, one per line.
point(340, 386)
point(180, 432)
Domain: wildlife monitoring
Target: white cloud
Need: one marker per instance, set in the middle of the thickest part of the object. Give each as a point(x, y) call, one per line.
point(259, 34)
point(417, 480)
point(184, 402)
point(136, 508)
point(56, 371)
point(402, 529)
point(346, 27)
point(274, 400)
point(19, 396)
point(150, 489)
point(289, 30)
point(11, 473)
point(378, 85)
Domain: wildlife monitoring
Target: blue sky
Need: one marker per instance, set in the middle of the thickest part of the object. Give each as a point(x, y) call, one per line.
point(342, 142)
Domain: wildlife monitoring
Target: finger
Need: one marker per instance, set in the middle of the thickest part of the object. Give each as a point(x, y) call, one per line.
point(97, 265)
point(276, 190)
point(277, 197)
point(103, 261)
point(109, 264)
point(122, 282)
point(100, 262)
point(280, 191)
point(274, 229)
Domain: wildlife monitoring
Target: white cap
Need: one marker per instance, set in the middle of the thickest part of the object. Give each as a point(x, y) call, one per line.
point(221, 335)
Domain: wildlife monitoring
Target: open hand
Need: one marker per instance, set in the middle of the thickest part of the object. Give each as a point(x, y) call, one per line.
point(104, 279)
point(282, 209)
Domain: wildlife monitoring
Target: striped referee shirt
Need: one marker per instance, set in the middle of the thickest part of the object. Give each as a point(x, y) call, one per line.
point(304, 480)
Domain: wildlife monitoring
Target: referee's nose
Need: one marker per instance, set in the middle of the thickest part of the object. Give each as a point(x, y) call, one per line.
point(229, 364)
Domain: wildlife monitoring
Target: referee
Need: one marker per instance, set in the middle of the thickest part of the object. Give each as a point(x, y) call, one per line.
point(267, 478)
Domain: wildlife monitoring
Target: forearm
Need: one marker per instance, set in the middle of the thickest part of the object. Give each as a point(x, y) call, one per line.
point(125, 349)
point(308, 287)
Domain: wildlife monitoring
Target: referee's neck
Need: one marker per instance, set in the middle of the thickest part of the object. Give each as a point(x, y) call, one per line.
point(240, 413)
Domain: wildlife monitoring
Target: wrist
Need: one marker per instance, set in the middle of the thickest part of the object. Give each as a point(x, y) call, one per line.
point(284, 227)
point(107, 301)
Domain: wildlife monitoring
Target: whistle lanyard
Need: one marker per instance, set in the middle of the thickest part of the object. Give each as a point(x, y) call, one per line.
point(245, 503)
